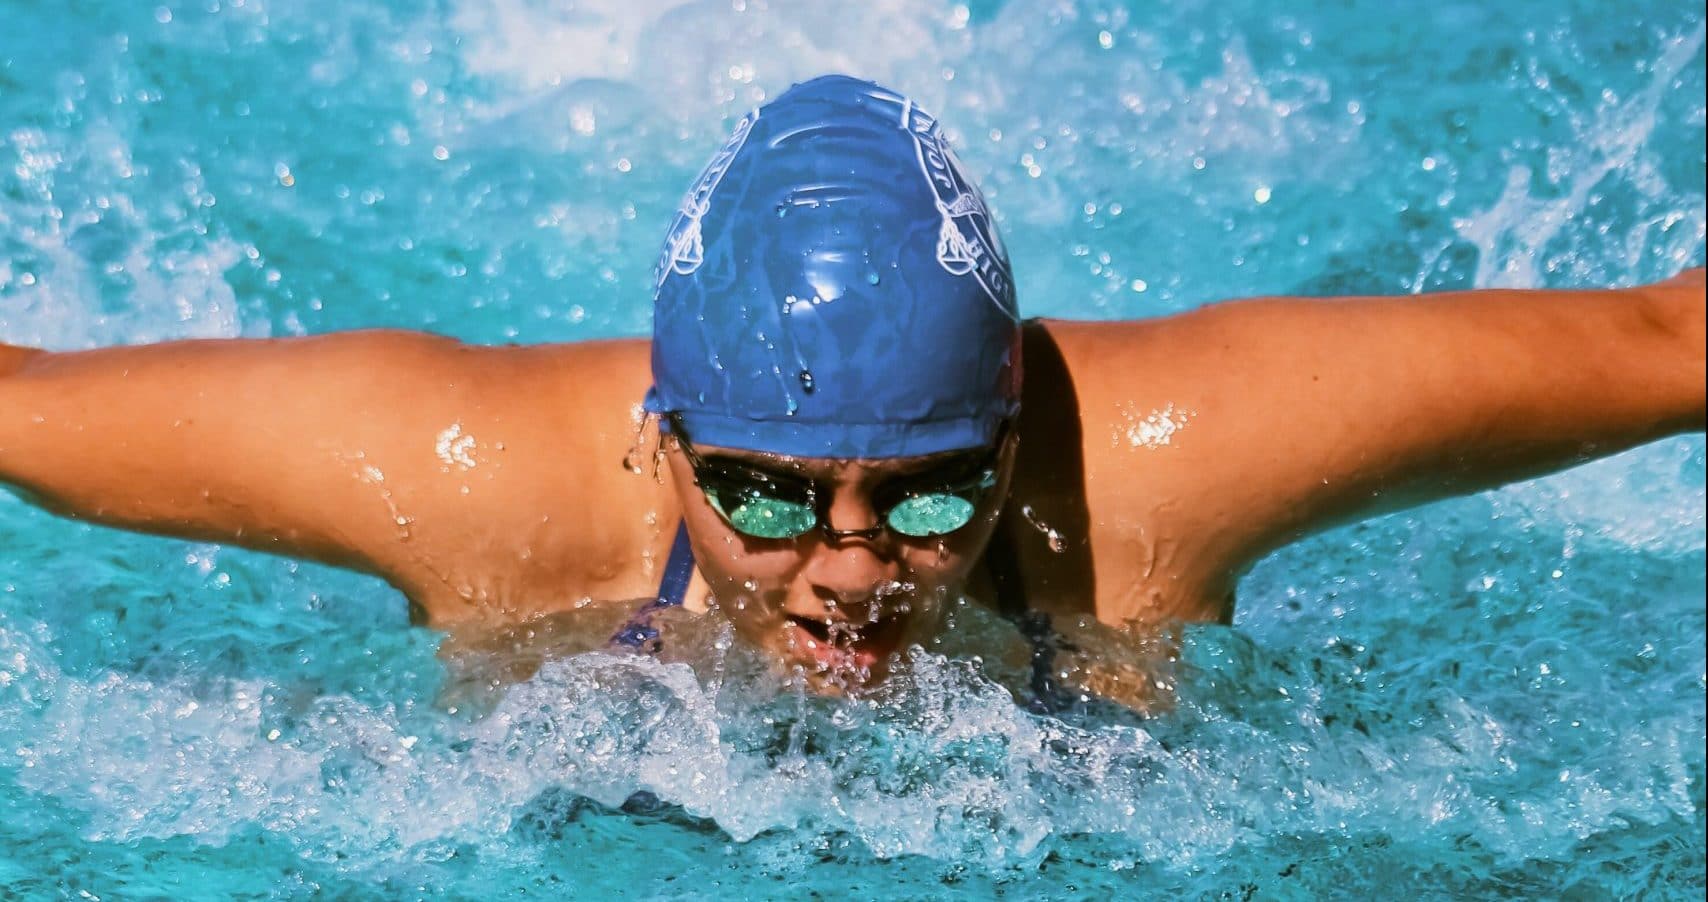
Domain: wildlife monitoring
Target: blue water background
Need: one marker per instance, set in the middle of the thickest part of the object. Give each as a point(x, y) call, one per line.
point(1499, 695)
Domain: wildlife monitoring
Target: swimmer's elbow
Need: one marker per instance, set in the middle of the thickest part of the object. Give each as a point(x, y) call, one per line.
point(1670, 316)
point(1674, 311)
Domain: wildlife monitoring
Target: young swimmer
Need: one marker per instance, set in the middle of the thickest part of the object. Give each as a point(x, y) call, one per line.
point(857, 428)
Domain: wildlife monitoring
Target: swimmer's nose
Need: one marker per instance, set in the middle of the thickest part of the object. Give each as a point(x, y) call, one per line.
point(850, 518)
point(846, 578)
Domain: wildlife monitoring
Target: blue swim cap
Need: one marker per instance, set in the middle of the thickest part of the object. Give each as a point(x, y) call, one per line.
point(833, 286)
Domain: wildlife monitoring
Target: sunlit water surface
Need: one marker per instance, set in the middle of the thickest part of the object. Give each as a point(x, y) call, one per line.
point(1498, 695)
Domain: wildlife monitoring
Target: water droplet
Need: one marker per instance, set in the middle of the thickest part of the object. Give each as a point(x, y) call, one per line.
point(1054, 539)
point(807, 384)
point(872, 278)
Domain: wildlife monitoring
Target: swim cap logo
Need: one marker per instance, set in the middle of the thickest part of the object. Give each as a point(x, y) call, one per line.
point(966, 241)
point(683, 249)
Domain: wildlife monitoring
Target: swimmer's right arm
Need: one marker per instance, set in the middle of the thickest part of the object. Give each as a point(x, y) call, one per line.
point(12, 358)
point(458, 472)
point(262, 443)
point(455, 471)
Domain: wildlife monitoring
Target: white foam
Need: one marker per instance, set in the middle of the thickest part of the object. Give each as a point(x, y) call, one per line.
point(1637, 499)
point(946, 765)
point(1515, 233)
point(684, 55)
point(79, 230)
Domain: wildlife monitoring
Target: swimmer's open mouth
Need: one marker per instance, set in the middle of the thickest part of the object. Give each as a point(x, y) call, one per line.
point(843, 645)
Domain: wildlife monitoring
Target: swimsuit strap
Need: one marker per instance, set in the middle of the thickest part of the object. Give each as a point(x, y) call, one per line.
point(678, 570)
point(1048, 696)
point(1003, 565)
point(638, 632)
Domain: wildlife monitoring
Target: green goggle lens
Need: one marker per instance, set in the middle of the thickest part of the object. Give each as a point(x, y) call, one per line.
point(764, 517)
point(786, 506)
point(933, 514)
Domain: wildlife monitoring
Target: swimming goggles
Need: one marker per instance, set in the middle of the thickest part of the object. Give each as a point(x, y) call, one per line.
point(768, 505)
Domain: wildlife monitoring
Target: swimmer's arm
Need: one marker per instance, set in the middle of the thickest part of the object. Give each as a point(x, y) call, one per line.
point(12, 358)
point(379, 451)
point(260, 443)
point(1299, 414)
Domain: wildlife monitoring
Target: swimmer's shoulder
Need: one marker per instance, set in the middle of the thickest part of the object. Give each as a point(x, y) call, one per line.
point(587, 383)
point(1118, 505)
point(630, 358)
point(577, 366)
point(585, 393)
point(507, 462)
point(1087, 359)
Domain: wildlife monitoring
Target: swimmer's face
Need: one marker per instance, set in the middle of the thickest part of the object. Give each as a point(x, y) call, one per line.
point(837, 608)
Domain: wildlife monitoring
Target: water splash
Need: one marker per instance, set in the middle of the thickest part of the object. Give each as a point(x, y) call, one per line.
point(1052, 537)
point(1152, 430)
point(1523, 236)
point(1503, 693)
point(82, 264)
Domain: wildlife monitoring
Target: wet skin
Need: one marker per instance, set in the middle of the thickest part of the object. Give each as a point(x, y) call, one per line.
point(1155, 460)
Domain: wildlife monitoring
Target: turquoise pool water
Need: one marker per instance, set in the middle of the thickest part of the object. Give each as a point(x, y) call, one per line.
point(1500, 695)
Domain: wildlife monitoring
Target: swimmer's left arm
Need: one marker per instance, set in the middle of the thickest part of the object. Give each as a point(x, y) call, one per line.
point(1306, 413)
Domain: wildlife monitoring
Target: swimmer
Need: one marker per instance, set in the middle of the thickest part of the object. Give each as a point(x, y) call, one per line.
point(841, 424)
